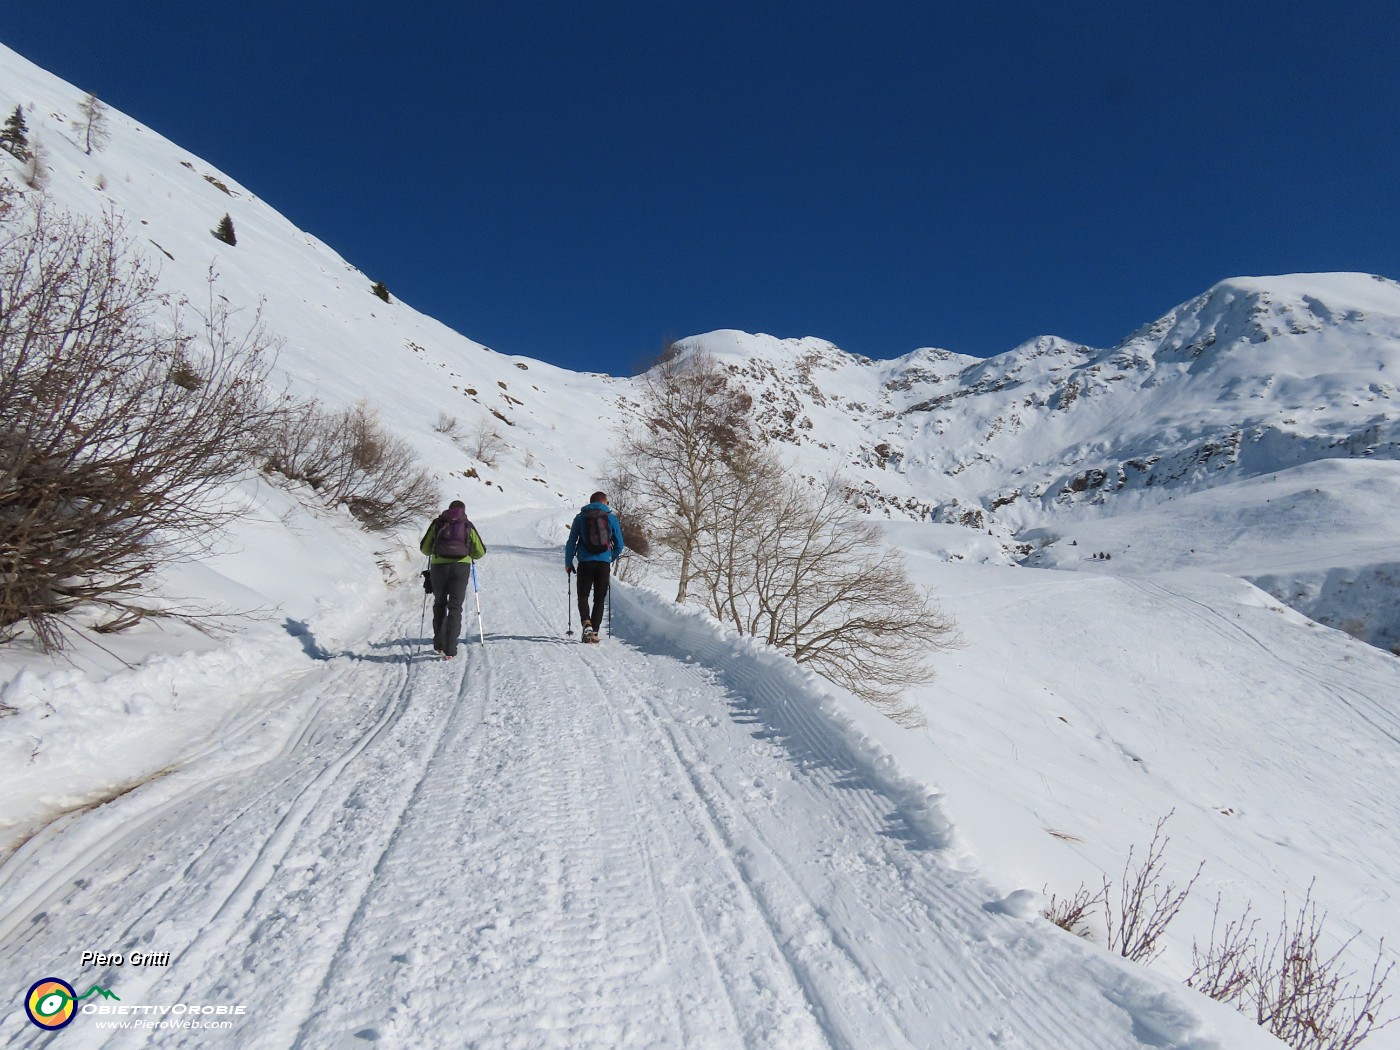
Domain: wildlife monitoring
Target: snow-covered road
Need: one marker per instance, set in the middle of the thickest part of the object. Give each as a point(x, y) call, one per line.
point(661, 841)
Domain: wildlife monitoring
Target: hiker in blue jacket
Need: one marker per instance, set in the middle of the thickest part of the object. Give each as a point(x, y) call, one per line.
point(597, 540)
point(451, 544)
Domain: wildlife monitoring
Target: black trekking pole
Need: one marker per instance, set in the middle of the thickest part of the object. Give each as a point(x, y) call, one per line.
point(423, 617)
point(568, 601)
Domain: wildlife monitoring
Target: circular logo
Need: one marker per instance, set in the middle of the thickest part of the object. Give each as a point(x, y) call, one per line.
point(50, 1003)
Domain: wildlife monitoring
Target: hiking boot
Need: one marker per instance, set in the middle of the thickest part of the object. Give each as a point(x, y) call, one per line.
point(590, 635)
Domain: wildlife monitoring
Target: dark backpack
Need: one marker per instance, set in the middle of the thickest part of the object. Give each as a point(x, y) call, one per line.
point(453, 538)
point(597, 534)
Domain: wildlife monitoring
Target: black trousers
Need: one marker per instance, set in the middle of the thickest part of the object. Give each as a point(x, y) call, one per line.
point(593, 576)
point(449, 580)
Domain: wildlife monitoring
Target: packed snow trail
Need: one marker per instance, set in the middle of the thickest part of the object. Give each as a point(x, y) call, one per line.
point(545, 844)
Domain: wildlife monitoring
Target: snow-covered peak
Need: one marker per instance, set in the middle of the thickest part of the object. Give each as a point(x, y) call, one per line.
point(1249, 311)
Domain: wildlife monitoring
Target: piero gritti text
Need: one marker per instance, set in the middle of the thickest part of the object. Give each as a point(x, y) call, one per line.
point(129, 959)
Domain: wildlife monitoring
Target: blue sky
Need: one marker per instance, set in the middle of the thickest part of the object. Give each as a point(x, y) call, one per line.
point(578, 182)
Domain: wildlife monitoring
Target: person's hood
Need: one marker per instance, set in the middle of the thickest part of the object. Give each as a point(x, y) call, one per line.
point(596, 506)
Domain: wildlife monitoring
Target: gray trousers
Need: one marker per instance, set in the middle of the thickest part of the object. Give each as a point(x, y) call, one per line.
point(449, 579)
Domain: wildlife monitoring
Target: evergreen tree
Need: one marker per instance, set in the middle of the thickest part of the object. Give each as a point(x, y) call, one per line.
point(224, 231)
point(14, 136)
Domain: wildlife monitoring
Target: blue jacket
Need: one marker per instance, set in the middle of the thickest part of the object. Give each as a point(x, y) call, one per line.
point(575, 544)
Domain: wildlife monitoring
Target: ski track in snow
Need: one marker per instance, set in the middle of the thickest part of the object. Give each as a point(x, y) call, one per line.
point(545, 844)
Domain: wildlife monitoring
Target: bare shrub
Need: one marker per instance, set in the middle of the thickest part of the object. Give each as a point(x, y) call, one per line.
point(1224, 968)
point(1294, 986)
point(350, 460)
point(636, 529)
point(446, 425)
point(486, 444)
point(1145, 905)
point(119, 424)
point(1302, 993)
point(1072, 914)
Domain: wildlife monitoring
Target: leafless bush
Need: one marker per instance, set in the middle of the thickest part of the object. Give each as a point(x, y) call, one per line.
point(119, 425)
point(486, 444)
point(350, 460)
point(1302, 993)
point(1295, 988)
point(1137, 911)
point(636, 530)
point(1072, 914)
point(1145, 906)
point(446, 425)
point(1223, 969)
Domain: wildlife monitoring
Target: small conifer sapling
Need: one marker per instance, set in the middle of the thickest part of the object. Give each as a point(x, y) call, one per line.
point(14, 136)
point(224, 231)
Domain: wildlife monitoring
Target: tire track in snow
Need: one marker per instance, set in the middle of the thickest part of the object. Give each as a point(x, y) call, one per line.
point(196, 908)
point(463, 721)
point(556, 938)
point(71, 858)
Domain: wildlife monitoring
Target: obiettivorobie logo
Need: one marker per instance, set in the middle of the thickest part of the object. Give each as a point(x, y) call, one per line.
point(52, 1003)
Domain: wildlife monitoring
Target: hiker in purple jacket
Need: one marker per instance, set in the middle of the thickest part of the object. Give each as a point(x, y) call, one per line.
point(451, 544)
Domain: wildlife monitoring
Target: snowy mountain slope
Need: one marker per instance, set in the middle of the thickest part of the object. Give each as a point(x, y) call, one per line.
point(341, 343)
point(1256, 375)
point(1085, 707)
point(1259, 375)
point(1321, 538)
point(1226, 702)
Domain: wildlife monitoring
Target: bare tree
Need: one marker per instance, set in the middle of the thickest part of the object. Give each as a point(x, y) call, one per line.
point(785, 561)
point(119, 424)
point(36, 165)
point(804, 571)
point(674, 454)
point(92, 126)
